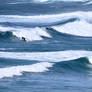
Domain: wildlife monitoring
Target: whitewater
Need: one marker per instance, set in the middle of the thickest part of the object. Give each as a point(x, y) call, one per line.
point(57, 56)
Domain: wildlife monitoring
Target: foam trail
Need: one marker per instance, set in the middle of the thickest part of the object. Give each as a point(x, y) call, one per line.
point(18, 70)
point(47, 56)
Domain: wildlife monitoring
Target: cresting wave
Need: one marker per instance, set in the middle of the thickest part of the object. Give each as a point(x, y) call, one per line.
point(18, 70)
point(60, 22)
point(29, 33)
point(53, 58)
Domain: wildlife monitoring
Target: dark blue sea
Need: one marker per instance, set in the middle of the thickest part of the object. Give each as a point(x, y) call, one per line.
point(45, 46)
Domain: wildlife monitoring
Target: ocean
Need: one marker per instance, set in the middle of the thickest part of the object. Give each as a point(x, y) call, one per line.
point(45, 46)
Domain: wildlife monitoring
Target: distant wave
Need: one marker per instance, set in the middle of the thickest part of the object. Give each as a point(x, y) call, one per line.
point(57, 56)
point(43, 1)
point(43, 20)
point(34, 21)
point(46, 20)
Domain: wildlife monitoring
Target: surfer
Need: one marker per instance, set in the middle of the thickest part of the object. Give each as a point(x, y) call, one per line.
point(24, 39)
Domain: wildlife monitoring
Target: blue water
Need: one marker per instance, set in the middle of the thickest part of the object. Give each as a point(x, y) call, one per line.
point(57, 53)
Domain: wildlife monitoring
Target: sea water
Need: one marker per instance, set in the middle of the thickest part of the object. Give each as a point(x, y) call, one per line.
point(57, 56)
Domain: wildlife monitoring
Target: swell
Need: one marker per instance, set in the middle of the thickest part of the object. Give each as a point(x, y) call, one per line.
point(72, 67)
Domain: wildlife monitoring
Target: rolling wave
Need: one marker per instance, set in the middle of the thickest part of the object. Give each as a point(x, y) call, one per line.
point(44, 56)
point(35, 21)
point(46, 20)
point(34, 26)
point(74, 66)
point(29, 33)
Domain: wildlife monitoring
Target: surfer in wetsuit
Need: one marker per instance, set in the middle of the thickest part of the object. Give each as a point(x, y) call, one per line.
point(24, 39)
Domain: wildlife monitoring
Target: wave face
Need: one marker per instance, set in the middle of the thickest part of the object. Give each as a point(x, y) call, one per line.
point(45, 45)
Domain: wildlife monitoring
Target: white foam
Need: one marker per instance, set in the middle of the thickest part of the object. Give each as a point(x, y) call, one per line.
point(46, 19)
point(90, 59)
point(29, 33)
point(82, 27)
point(36, 1)
point(41, 56)
point(79, 28)
point(18, 70)
point(36, 19)
point(47, 56)
point(75, 28)
point(88, 2)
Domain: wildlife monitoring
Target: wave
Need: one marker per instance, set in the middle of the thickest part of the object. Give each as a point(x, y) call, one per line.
point(35, 21)
point(57, 56)
point(41, 1)
point(60, 22)
point(46, 35)
point(44, 1)
point(29, 33)
point(48, 1)
point(74, 65)
point(18, 70)
point(79, 28)
point(45, 20)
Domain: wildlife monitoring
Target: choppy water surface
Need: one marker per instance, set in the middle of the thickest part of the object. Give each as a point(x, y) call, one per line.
point(58, 54)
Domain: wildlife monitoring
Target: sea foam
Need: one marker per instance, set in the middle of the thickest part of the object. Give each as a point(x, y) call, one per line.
point(18, 70)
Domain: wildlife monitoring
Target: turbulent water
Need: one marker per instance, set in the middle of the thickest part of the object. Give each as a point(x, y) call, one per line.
point(58, 54)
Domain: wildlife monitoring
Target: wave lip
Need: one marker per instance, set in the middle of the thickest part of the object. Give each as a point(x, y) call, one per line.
point(18, 70)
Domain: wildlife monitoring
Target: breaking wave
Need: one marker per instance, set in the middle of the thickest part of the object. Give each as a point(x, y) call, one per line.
point(18, 70)
point(73, 62)
point(34, 26)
